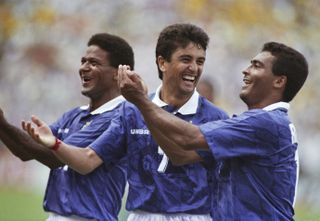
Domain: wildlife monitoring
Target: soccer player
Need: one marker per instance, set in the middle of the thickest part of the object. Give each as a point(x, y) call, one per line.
point(260, 144)
point(205, 88)
point(158, 190)
point(71, 196)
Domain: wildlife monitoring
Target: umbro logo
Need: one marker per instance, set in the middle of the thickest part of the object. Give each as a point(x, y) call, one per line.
point(139, 131)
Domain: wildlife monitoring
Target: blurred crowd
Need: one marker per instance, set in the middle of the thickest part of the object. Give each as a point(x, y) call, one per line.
point(41, 44)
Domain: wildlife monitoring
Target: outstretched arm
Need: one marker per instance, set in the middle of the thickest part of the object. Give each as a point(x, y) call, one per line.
point(171, 133)
point(22, 146)
point(82, 160)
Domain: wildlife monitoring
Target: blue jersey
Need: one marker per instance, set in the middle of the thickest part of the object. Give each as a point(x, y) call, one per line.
point(261, 147)
point(96, 195)
point(155, 185)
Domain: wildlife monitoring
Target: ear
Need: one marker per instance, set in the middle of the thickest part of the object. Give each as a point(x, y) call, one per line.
point(161, 63)
point(280, 81)
point(115, 74)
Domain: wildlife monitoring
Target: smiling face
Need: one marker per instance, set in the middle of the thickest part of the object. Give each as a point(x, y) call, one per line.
point(261, 87)
point(182, 72)
point(97, 76)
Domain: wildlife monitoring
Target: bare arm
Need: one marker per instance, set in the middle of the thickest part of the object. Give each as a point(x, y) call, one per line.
point(167, 129)
point(175, 153)
point(22, 146)
point(82, 160)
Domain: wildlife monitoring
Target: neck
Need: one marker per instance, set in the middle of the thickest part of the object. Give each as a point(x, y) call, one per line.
point(176, 100)
point(262, 105)
point(97, 102)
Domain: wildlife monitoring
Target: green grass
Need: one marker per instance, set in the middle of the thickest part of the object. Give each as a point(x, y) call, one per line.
point(23, 205)
point(304, 213)
point(20, 206)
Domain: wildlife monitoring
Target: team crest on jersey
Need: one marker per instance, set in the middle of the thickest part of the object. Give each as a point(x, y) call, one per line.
point(86, 124)
point(139, 131)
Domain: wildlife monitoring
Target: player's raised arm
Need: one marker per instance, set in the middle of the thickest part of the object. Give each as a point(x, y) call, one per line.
point(165, 127)
point(82, 160)
point(22, 146)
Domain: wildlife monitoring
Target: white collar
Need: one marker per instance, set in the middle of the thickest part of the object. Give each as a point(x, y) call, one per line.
point(190, 107)
point(274, 106)
point(110, 105)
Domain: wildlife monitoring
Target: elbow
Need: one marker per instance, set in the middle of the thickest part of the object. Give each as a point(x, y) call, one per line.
point(90, 163)
point(23, 157)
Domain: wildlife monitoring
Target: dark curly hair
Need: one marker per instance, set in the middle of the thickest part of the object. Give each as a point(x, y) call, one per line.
point(120, 52)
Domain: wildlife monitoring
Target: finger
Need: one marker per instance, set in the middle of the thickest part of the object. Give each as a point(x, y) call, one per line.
point(28, 128)
point(123, 77)
point(120, 74)
point(37, 120)
point(23, 125)
point(33, 133)
point(127, 67)
point(135, 77)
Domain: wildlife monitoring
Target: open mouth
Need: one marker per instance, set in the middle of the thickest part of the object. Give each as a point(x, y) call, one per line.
point(189, 78)
point(246, 81)
point(86, 80)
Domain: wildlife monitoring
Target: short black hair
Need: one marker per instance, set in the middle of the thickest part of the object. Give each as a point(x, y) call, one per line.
point(120, 52)
point(179, 35)
point(290, 63)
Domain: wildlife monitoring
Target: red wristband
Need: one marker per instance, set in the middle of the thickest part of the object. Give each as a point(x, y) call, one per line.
point(56, 145)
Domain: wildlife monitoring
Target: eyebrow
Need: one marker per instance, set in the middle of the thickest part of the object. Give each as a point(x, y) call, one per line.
point(190, 56)
point(254, 61)
point(91, 59)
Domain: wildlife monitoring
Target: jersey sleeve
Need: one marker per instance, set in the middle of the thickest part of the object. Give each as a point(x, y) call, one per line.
point(247, 135)
point(66, 117)
point(55, 126)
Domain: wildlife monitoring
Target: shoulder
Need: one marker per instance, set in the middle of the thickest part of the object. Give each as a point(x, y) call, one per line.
point(128, 106)
point(260, 118)
point(129, 110)
point(74, 112)
point(207, 106)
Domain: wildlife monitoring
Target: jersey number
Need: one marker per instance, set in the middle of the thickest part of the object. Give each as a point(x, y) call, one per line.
point(295, 140)
point(293, 134)
point(164, 162)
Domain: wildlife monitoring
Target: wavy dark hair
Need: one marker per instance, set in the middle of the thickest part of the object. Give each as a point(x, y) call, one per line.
point(176, 36)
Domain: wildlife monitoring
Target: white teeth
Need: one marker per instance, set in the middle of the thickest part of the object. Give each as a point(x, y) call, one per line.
point(190, 78)
point(86, 79)
point(246, 81)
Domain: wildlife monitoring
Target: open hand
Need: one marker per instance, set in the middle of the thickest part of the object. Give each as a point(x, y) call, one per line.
point(41, 132)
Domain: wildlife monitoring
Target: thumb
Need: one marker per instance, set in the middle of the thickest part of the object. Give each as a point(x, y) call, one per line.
point(37, 121)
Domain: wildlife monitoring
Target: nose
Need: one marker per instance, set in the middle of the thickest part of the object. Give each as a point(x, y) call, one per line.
point(192, 66)
point(246, 71)
point(84, 66)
